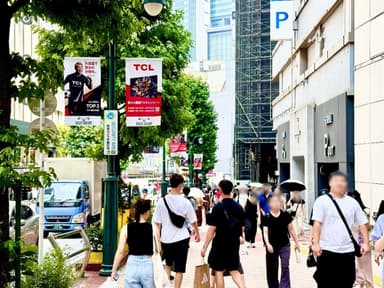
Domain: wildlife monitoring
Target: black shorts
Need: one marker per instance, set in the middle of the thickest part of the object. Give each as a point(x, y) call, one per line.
point(175, 255)
point(228, 273)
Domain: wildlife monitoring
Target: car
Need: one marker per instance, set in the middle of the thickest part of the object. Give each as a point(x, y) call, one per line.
point(29, 223)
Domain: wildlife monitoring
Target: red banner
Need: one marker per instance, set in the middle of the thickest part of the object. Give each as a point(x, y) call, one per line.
point(178, 145)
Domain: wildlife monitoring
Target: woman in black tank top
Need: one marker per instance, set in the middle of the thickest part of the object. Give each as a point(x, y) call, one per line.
point(139, 237)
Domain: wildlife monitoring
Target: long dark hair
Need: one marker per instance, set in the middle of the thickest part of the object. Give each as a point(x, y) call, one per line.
point(141, 206)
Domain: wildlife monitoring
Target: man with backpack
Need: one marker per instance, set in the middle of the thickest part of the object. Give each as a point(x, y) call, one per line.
point(333, 242)
point(226, 227)
point(170, 216)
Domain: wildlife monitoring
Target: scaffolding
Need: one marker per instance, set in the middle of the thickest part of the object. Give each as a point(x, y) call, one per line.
point(254, 139)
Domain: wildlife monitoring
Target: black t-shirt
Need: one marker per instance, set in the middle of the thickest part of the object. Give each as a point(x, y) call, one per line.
point(278, 229)
point(76, 86)
point(228, 217)
point(140, 239)
point(251, 211)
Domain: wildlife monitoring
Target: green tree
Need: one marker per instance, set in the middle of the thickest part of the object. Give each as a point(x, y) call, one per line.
point(205, 122)
point(84, 28)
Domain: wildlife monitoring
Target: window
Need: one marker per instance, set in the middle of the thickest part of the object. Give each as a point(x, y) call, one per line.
point(26, 212)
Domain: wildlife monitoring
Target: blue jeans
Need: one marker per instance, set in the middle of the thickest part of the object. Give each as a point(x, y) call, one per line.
point(139, 272)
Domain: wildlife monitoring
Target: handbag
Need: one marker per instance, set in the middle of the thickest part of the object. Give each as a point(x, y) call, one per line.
point(355, 244)
point(159, 274)
point(109, 283)
point(294, 212)
point(202, 277)
point(311, 259)
point(176, 220)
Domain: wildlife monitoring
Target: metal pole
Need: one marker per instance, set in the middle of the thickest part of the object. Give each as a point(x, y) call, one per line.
point(41, 194)
point(190, 152)
point(111, 182)
point(17, 191)
point(164, 184)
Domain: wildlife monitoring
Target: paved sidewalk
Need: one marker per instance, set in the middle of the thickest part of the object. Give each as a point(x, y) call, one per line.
point(253, 260)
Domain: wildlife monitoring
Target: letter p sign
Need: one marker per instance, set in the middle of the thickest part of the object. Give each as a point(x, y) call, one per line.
point(281, 17)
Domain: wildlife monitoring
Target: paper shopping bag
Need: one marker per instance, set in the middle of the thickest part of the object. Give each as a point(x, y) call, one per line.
point(202, 276)
point(109, 283)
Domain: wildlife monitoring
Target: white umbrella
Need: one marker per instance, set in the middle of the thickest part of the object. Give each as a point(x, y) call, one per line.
point(256, 185)
point(196, 193)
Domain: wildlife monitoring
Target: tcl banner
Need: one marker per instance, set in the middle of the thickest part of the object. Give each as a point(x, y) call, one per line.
point(143, 91)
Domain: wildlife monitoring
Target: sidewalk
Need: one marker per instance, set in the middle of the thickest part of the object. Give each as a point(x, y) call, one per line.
point(253, 261)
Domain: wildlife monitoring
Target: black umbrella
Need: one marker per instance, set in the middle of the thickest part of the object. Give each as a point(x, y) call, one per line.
point(293, 185)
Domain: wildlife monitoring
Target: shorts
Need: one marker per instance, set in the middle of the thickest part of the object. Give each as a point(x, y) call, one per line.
point(228, 273)
point(175, 255)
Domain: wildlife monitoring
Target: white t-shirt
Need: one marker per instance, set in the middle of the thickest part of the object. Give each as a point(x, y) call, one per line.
point(334, 235)
point(180, 206)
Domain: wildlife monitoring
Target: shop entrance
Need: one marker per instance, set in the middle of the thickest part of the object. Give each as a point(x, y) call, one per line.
point(323, 172)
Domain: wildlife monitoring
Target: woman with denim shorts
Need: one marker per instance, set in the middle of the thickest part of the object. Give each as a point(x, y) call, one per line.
point(139, 237)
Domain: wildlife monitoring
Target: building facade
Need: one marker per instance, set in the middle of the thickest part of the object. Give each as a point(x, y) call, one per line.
point(369, 100)
point(196, 20)
point(313, 114)
point(254, 142)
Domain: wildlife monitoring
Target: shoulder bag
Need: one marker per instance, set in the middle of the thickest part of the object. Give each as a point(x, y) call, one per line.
point(355, 244)
point(176, 220)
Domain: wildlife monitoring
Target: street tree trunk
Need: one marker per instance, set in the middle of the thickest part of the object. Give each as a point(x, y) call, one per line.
point(5, 113)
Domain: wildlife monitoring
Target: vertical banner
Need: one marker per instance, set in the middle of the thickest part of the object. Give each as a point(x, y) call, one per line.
point(82, 91)
point(178, 145)
point(197, 161)
point(143, 91)
point(281, 20)
point(111, 135)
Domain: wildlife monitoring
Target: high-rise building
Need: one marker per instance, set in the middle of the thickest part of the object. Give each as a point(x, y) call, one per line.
point(254, 150)
point(220, 32)
point(196, 20)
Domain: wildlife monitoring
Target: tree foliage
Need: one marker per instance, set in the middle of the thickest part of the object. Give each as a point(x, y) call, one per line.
point(205, 122)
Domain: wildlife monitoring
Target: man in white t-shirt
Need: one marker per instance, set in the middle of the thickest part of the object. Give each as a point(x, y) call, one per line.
point(174, 240)
point(331, 241)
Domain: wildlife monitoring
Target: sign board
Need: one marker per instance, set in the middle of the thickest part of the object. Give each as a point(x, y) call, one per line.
point(111, 135)
point(82, 91)
point(178, 145)
point(197, 161)
point(281, 20)
point(48, 125)
point(143, 91)
point(50, 105)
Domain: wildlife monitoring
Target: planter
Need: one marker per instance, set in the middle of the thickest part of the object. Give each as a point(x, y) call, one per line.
point(95, 261)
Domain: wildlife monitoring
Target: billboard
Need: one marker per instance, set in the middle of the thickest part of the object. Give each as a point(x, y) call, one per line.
point(281, 20)
point(178, 145)
point(143, 91)
point(82, 91)
point(197, 161)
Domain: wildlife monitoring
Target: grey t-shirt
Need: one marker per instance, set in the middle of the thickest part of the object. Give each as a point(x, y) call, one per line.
point(334, 235)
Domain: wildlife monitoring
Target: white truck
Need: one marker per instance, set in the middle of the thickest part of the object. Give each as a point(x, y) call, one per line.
point(75, 198)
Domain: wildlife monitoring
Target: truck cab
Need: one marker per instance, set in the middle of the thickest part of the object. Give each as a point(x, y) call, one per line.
point(66, 205)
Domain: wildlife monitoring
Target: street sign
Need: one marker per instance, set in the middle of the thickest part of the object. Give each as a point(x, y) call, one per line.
point(48, 125)
point(50, 104)
point(281, 20)
point(111, 132)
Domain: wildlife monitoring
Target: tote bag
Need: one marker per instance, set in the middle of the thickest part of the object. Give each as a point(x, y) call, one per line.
point(202, 277)
point(160, 276)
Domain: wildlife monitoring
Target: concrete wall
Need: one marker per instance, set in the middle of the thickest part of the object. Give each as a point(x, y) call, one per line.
point(369, 100)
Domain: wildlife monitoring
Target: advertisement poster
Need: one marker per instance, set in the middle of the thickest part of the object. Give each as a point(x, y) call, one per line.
point(143, 91)
point(178, 145)
point(111, 140)
point(197, 161)
point(82, 91)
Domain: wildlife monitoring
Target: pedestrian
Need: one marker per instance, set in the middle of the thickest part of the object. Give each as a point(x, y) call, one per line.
point(251, 220)
point(278, 229)
point(333, 244)
point(364, 274)
point(171, 228)
point(139, 237)
point(283, 199)
point(377, 236)
point(226, 226)
point(263, 205)
point(296, 207)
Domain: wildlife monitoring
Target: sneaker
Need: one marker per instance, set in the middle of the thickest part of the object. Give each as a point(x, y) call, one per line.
point(249, 245)
point(253, 245)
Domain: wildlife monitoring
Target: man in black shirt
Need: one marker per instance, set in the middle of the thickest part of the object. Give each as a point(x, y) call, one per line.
point(277, 228)
point(226, 226)
point(76, 81)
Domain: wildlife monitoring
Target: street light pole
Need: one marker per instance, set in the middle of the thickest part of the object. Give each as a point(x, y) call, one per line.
point(164, 184)
point(111, 183)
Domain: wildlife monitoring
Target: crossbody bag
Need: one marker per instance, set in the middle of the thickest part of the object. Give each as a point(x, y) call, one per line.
point(355, 244)
point(176, 220)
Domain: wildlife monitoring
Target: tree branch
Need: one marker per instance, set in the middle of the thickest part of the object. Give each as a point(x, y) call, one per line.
point(17, 5)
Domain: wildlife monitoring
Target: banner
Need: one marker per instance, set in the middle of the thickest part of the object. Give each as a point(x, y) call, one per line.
point(178, 145)
point(82, 91)
point(281, 17)
point(143, 91)
point(197, 161)
point(111, 132)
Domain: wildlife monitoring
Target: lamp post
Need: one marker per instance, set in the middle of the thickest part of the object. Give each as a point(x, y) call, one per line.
point(200, 141)
point(111, 183)
point(164, 183)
